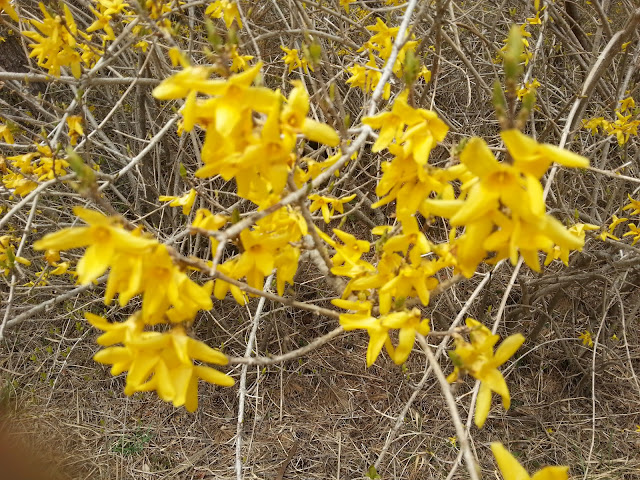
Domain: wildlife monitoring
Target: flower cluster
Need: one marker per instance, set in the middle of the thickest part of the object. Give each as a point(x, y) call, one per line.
point(502, 206)
point(293, 60)
point(59, 43)
point(139, 265)
point(623, 127)
point(22, 172)
point(634, 229)
point(225, 9)
point(274, 242)
point(160, 361)
point(526, 54)
point(7, 254)
point(379, 45)
point(257, 153)
point(479, 360)
point(407, 322)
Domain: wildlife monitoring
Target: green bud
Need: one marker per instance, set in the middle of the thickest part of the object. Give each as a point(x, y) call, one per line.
point(411, 68)
point(85, 174)
point(183, 170)
point(212, 34)
point(314, 53)
point(499, 102)
point(512, 54)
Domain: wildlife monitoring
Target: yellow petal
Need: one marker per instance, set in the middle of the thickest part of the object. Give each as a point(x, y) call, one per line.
point(214, 376)
point(483, 405)
point(376, 342)
point(141, 368)
point(65, 239)
point(320, 132)
point(508, 465)
point(200, 351)
point(552, 473)
point(94, 263)
point(478, 158)
point(507, 348)
point(495, 381)
point(406, 339)
point(564, 157)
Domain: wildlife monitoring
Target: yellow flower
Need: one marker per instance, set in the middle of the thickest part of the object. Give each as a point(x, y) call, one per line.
point(633, 205)
point(586, 338)
point(74, 123)
point(185, 201)
point(238, 62)
point(627, 104)
point(328, 205)
point(635, 231)
point(499, 184)
point(6, 134)
point(512, 470)
point(103, 237)
point(60, 269)
point(345, 4)
point(226, 9)
point(158, 361)
point(593, 124)
point(478, 359)
point(56, 45)
point(615, 222)
point(294, 118)
point(292, 58)
point(391, 124)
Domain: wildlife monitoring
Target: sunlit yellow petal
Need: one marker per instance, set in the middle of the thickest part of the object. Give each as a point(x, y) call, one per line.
point(508, 465)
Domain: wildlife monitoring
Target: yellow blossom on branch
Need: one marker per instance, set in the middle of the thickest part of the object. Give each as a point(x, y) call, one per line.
point(5, 134)
point(328, 205)
point(633, 205)
point(479, 360)
point(293, 60)
point(633, 231)
point(185, 201)
point(158, 361)
point(586, 338)
point(408, 323)
point(74, 123)
point(225, 9)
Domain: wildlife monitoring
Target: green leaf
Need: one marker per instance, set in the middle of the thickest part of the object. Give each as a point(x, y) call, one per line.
point(372, 473)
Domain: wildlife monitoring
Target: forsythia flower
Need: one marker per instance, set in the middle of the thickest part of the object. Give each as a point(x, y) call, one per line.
point(238, 62)
point(104, 238)
point(158, 361)
point(225, 9)
point(586, 338)
point(478, 359)
point(6, 135)
point(185, 201)
point(292, 58)
point(512, 470)
point(56, 45)
point(328, 205)
point(75, 128)
point(634, 231)
point(634, 206)
point(7, 255)
point(407, 322)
